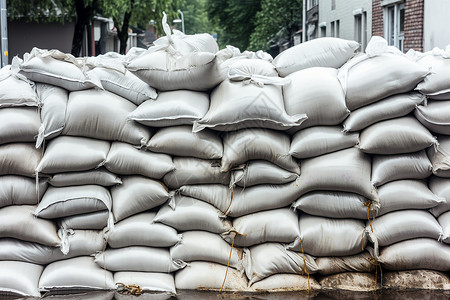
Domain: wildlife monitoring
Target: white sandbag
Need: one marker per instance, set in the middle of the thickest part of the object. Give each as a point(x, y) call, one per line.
point(137, 194)
point(80, 273)
point(181, 141)
point(406, 194)
point(387, 168)
point(403, 225)
point(236, 202)
point(256, 172)
point(251, 97)
point(362, 262)
point(257, 143)
point(147, 281)
point(440, 187)
point(19, 159)
point(19, 124)
point(126, 159)
point(436, 85)
point(444, 222)
point(139, 259)
point(285, 283)
point(206, 246)
point(16, 90)
point(440, 157)
point(339, 205)
point(435, 116)
point(396, 136)
point(318, 140)
point(345, 171)
point(383, 71)
point(343, 237)
point(56, 68)
point(53, 112)
point(191, 170)
point(103, 115)
point(20, 190)
point(140, 230)
point(209, 276)
point(172, 108)
point(322, 52)
point(70, 154)
point(422, 253)
point(277, 225)
point(18, 221)
point(185, 213)
point(267, 259)
point(60, 202)
point(20, 278)
point(388, 108)
point(95, 221)
point(99, 176)
point(350, 283)
point(312, 89)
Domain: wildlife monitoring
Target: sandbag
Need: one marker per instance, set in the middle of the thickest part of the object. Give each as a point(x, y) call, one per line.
point(440, 157)
point(53, 112)
point(209, 276)
point(277, 225)
point(406, 194)
point(257, 172)
point(435, 85)
point(99, 176)
point(20, 190)
point(267, 259)
point(421, 253)
point(388, 108)
point(285, 283)
point(206, 246)
point(139, 259)
point(16, 90)
point(350, 282)
point(125, 159)
point(338, 205)
point(440, 187)
point(257, 143)
point(70, 154)
point(382, 72)
point(318, 140)
point(322, 52)
point(172, 108)
point(363, 262)
point(18, 221)
point(343, 237)
point(60, 202)
point(435, 116)
point(147, 281)
point(395, 136)
point(137, 194)
point(387, 168)
point(140, 230)
point(19, 124)
point(345, 171)
point(19, 159)
point(312, 89)
point(191, 170)
point(444, 222)
point(20, 278)
point(185, 213)
point(80, 273)
point(103, 115)
point(250, 97)
point(96, 220)
point(181, 141)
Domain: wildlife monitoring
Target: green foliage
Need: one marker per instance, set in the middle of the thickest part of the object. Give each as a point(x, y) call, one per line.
point(44, 11)
point(196, 18)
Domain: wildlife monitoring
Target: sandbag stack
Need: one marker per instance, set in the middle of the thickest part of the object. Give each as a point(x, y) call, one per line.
point(186, 167)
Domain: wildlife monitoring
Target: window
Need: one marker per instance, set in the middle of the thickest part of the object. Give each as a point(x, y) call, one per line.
point(394, 22)
point(332, 28)
point(360, 26)
point(323, 29)
point(312, 3)
point(333, 4)
point(358, 31)
point(337, 28)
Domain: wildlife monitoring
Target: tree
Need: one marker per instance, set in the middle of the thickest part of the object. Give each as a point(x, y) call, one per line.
point(196, 17)
point(85, 11)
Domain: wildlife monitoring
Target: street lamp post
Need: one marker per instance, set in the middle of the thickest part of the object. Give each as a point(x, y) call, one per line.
point(182, 20)
point(3, 34)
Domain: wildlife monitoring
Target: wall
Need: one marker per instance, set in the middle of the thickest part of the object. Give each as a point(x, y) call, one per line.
point(436, 24)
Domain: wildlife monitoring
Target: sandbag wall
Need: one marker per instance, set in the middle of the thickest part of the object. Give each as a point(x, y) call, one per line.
point(185, 167)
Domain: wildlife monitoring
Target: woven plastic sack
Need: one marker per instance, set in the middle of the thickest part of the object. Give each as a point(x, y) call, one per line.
point(362, 262)
point(19, 124)
point(19, 159)
point(435, 116)
point(321, 52)
point(16, 90)
point(440, 157)
point(387, 168)
point(257, 172)
point(148, 281)
point(20, 278)
point(181, 141)
point(444, 222)
point(257, 143)
point(94, 221)
point(318, 140)
point(99, 176)
point(181, 107)
point(137, 194)
point(20, 190)
point(436, 85)
point(125, 159)
point(285, 283)
point(440, 187)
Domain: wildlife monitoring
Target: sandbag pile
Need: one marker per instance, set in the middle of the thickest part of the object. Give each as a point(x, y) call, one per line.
point(185, 167)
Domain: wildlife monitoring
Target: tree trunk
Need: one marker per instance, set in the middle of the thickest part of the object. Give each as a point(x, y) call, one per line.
point(84, 16)
point(122, 33)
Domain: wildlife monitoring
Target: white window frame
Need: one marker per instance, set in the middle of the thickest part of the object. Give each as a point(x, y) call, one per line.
point(392, 32)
